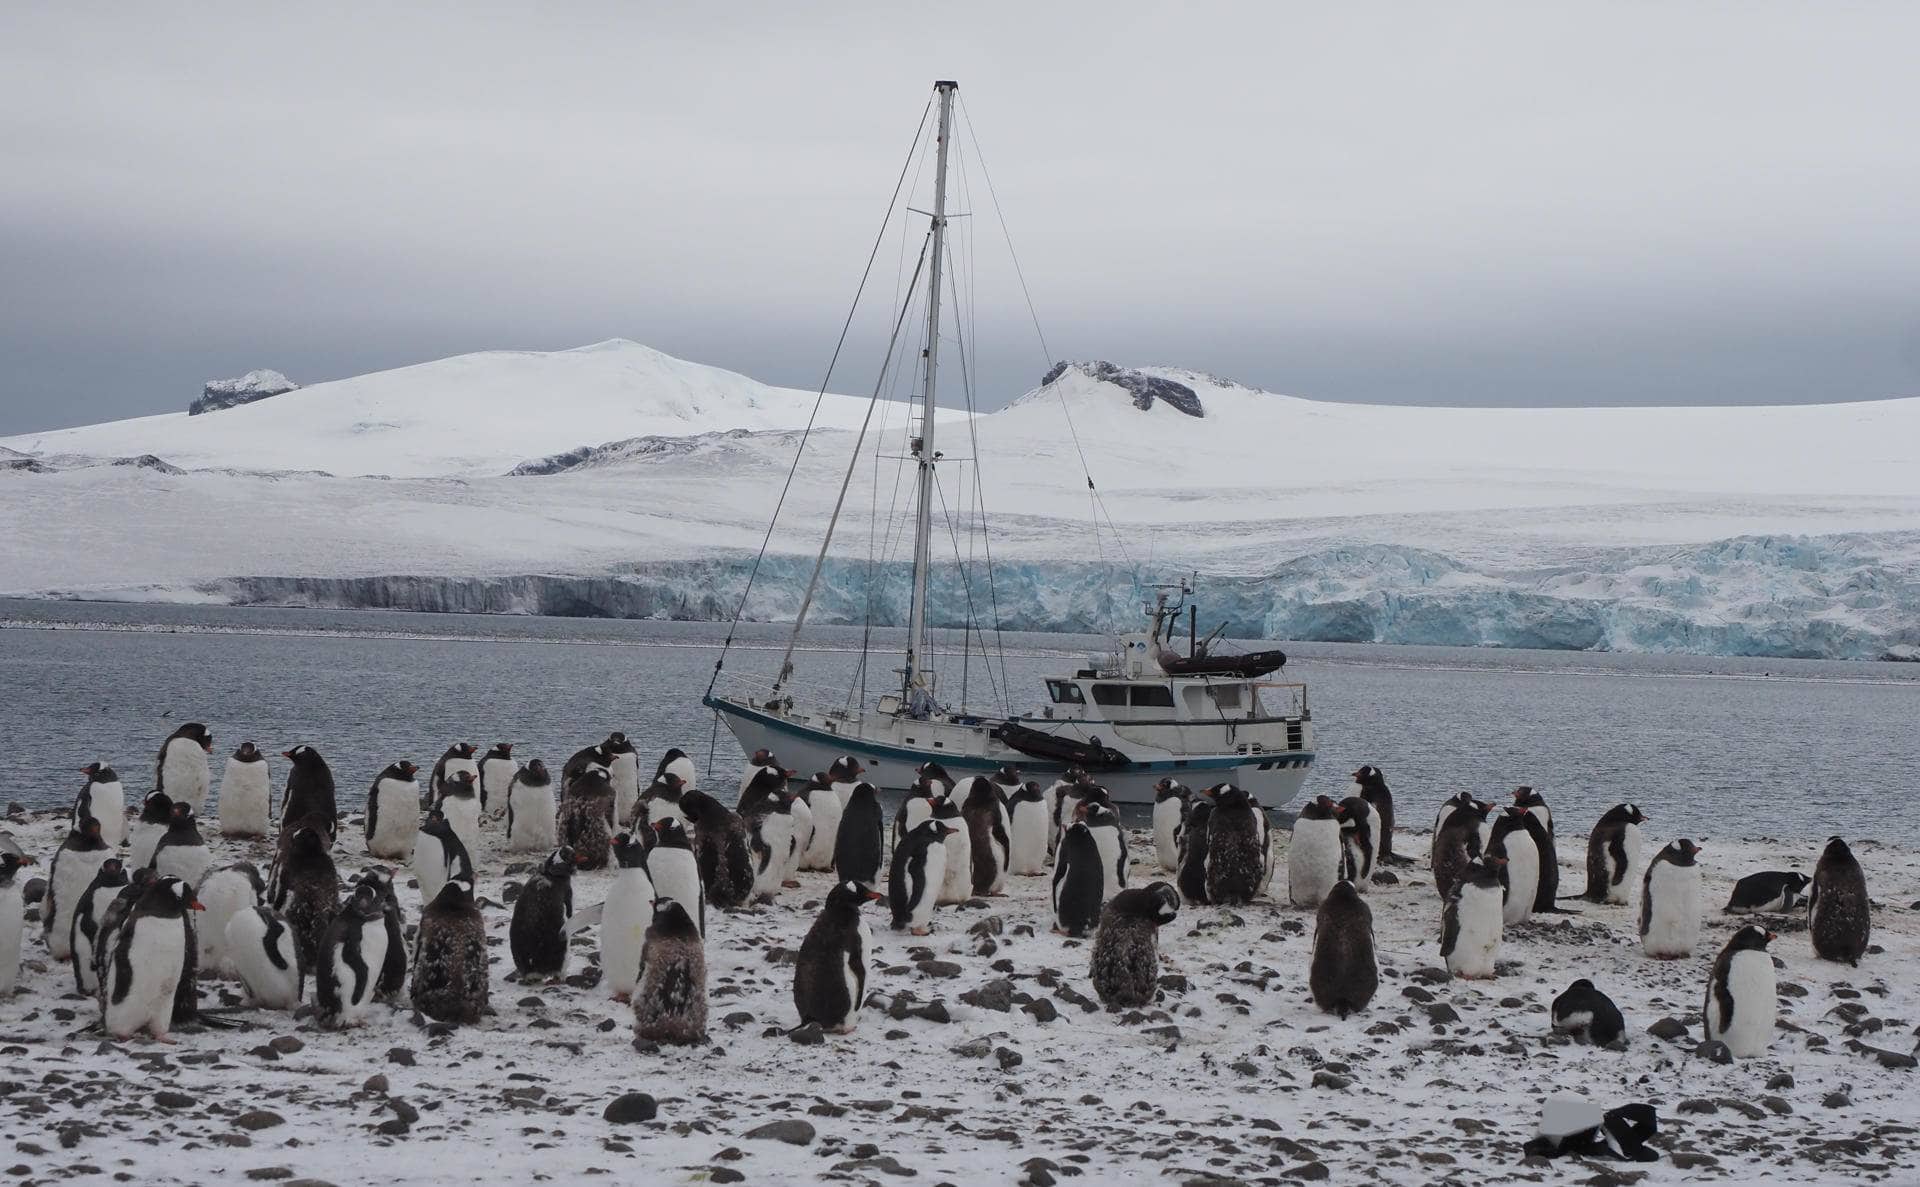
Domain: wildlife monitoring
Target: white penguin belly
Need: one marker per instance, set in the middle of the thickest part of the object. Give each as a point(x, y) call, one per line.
point(623, 929)
point(1051, 798)
point(1166, 826)
point(1618, 891)
point(12, 932)
point(1673, 925)
point(802, 813)
point(856, 984)
point(1029, 836)
point(683, 767)
point(1523, 877)
point(1756, 1002)
point(827, 806)
point(776, 834)
point(936, 871)
point(1313, 861)
point(145, 839)
point(624, 773)
point(108, 804)
point(354, 1007)
point(429, 865)
point(185, 773)
point(224, 894)
point(71, 877)
point(189, 863)
point(956, 882)
point(463, 817)
point(244, 799)
point(533, 824)
point(85, 949)
point(1113, 862)
point(676, 875)
point(155, 959)
point(396, 819)
point(1476, 945)
point(269, 985)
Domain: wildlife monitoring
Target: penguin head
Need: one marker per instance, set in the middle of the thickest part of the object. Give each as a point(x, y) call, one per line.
point(630, 849)
point(1097, 815)
point(1750, 937)
point(1635, 815)
point(461, 750)
point(90, 828)
point(1226, 795)
point(617, 743)
point(458, 892)
point(403, 770)
point(1837, 851)
point(177, 890)
point(10, 863)
point(863, 791)
point(195, 732)
point(1344, 896)
point(1007, 774)
point(851, 895)
point(671, 919)
point(99, 772)
point(364, 902)
point(434, 820)
point(1683, 852)
point(182, 813)
point(378, 877)
point(501, 750)
point(761, 758)
point(460, 783)
point(1075, 775)
point(308, 840)
point(594, 781)
point(157, 808)
point(535, 772)
point(1527, 797)
point(1166, 902)
point(561, 861)
point(247, 752)
point(670, 832)
point(1797, 882)
point(820, 781)
point(1478, 809)
point(1368, 777)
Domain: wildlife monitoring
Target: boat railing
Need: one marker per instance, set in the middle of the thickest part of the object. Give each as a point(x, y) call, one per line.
point(762, 693)
point(1294, 694)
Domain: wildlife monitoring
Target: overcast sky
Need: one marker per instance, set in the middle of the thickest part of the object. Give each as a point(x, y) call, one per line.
point(1490, 204)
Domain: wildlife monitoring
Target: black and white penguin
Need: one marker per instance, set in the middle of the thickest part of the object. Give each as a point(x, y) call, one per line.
point(1028, 831)
point(182, 852)
point(626, 912)
point(673, 865)
point(1613, 854)
point(266, 958)
point(1104, 823)
point(105, 799)
point(1079, 881)
point(306, 888)
point(830, 974)
point(1457, 845)
point(1526, 797)
point(919, 868)
point(1344, 973)
point(246, 794)
point(1839, 914)
point(1125, 966)
point(1316, 852)
point(461, 756)
point(13, 919)
point(676, 763)
point(585, 818)
point(497, 770)
point(151, 954)
point(761, 760)
point(156, 815)
point(393, 971)
point(860, 848)
point(537, 936)
point(934, 773)
point(1546, 892)
point(180, 769)
point(725, 856)
point(767, 811)
point(623, 771)
point(439, 856)
point(1193, 852)
point(988, 843)
point(1063, 801)
point(393, 812)
point(1670, 902)
point(916, 808)
point(670, 1004)
point(1743, 995)
point(112, 916)
point(1359, 841)
point(88, 916)
point(1235, 864)
point(1464, 799)
point(1471, 922)
point(352, 954)
point(459, 802)
point(1769, 892)
point(1512, 841)
point(661, 801)
point(310, 791)
point(1589, 1016)
point(1574, 1125)
point(531, 815)
point(224, 893)
point(824, 798)
point(1370, 784)
point(1170, 802)
point(75, 865)
point(450, 957)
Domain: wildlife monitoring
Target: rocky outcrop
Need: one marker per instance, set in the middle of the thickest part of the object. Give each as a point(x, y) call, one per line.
point(221, 394)
point(1145, 389)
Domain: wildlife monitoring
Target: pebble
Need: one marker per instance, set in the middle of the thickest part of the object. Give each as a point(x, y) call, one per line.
point(259, 1119)
point(809, 1035)
point(631, 1107)
point(792, 1131)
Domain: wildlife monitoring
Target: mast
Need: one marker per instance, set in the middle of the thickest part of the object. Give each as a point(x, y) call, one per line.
point(914, 676)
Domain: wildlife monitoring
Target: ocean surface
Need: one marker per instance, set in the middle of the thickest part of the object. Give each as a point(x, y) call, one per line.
point(1706, 746)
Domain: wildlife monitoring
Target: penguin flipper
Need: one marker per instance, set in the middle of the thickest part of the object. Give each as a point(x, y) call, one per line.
point(585, 918)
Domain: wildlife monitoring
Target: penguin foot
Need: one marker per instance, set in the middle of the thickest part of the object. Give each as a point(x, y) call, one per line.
point(791, 884)
point(920, 931)
point(622, 998)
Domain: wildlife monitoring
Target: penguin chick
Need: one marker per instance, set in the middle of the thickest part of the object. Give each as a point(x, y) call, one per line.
point(1125, 966)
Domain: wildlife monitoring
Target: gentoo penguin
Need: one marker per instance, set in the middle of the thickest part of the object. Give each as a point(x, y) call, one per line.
point(1589, 1016)
point(767, 811)
point(1104, 823)
point(1613, 853)
point(830, 974)
point(225, 893)
point(935, 774)
point(763, 759)
point(88, 917)
point(1547, 883)
point(823, 798)
point(450, 957)
point(913, 882)
point(156, 815)
point(720, 845)
point(13, 922)
point(956, 885)
point(1169, 817)
point(1470, 924)
point(916, 808)
point(623, 771)
point(1574, 1125)
point(674, 869)
point(987, 837)
point(660, 801)
point(1193, 852)
point(149, 958)
point(1768, 892)
point(79, 858)
point(352, 953)
point(860, 848)
point(1344, 974)
point(1063, 801)
point(310, 791)
point(104, 799)
point(1458, 843)
point(246, 794)
point(1670, 902)
point(180, 769)
point(497, 770)
point(1743, 996)
point(111, 917)
point(537, 936)
point(1448, 806)
point(670, 1003)
point(306, 889)
point(625, 914)
point(1028, 830)
point(1235, 864)
point(1315, 854)
point(1512, 842)
point(459, 802)
point(393, 812)
point(459, 757)
point(1079, 881)
point(393, 972)
point(676, 763)
point(801, 810)
point(1526, 797)
point(439, 856)
point(585, 818)
point(1839, 915)
point(1359, 841)
point(1125, 967)
point(531, 824)
point(266, 958)
point(182, 852)
point(1370, 784)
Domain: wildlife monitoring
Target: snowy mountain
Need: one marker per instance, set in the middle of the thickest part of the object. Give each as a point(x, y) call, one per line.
point(613, 479)
point(221, 394)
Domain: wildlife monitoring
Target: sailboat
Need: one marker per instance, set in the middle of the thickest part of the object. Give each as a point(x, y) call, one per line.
point(1130, 719)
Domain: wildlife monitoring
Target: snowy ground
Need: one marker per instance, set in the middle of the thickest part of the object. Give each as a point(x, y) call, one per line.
point(1233, 1075)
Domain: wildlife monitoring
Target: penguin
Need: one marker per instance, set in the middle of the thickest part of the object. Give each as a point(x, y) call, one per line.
point(246, 794)
point(1344, 973)
point(1574, 1125)
point(625, 914)
point(180, 769)
point(801, 813)
point(1064, 797)
point(104, 799)
point(1169, 817)
point(913, 883)
point(934, 773)
point(1079, 881)
point(1316, 853)
point(1104, 823)
point(585, 818)
point(661, 801)
point(1470, 924)
point(306, 890)
point(1613, 853)
point(497, 770)
point(767, 812)
point(1670, 902)
point(830, 973)
point(763, 759)
point(224, 893)
point(916, 809)
point(859, 848)
point(458, 758)
point(1234, 861)
point(393, 971)
point(537, 936)
point(670, 1004)
point(182, 852)
point(151, 950)
point(309, 792)
point(459, 802)
point(531, 816)
point(1839, 914)
point(1125, 966)
point(1193, 853)
point(13, 918)
point(1359, 841)
point(1589, 1016)
point(1743, 995)
point(439, 856)
point(1546, 892)
point(76, 863)
point(266, 958)
point(1526, 797)
point(156, 815)
point(674, 869)
point(1448, 806)
point(352, 954)
point(1457, 844)
point(450, 957)
point(956, 884)
point(987, 840)
point(824, 798)
point(88, 916)
point(1370, 784)
point(393, 812)
point(1027, 831)
point(110, 917)
point(623, 771)
point(1512, 842)
point(1770, 892)
point(722, 848)
point(676, 763)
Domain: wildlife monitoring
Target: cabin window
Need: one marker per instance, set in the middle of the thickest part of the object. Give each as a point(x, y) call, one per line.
point(1226, 696)
point(1109, 694)
point(1065, 692)
point(1151, 696)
